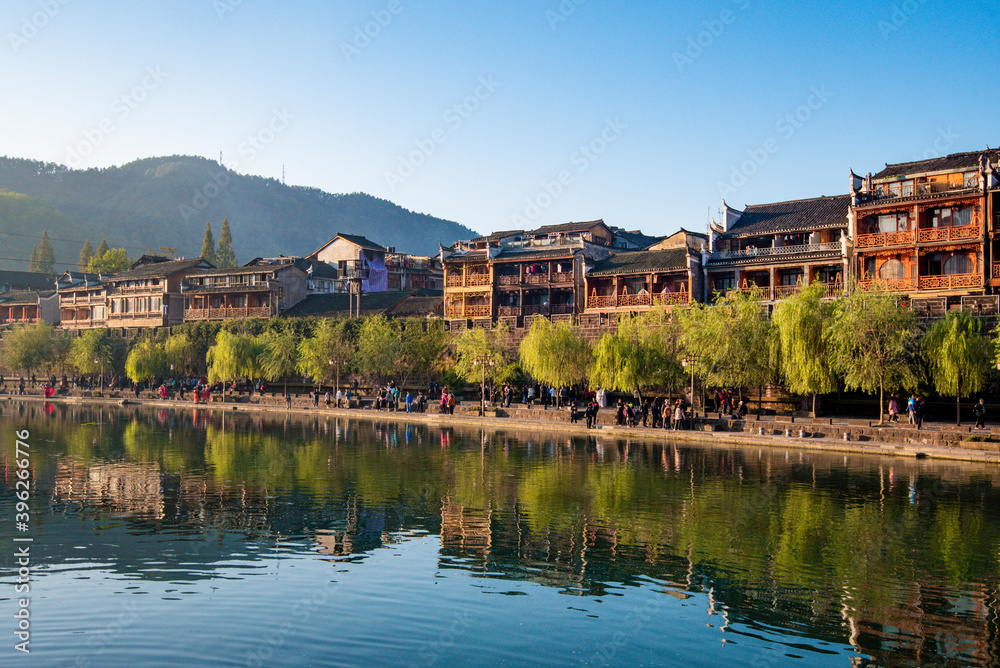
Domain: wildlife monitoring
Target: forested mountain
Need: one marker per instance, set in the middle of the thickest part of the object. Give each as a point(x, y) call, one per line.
point(166, 202)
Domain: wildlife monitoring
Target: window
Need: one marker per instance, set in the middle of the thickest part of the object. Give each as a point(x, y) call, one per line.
point(951, 216)
point(790, 276)
point(958, 264)
point(892, 269)
point(971, 179)
point(724, 282)
point(893, 222)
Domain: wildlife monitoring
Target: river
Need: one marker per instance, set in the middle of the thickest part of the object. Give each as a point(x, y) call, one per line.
point(170, 537)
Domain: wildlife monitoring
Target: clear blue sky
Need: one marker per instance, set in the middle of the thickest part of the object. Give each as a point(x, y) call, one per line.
point(670, 99)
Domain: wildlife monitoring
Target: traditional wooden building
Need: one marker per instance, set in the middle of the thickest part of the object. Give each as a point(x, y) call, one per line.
point(255, 291)
point(29, 306)
point(669, 273)
point(518, 274)
point(924, 228)
point(321, 278)
point(149, 294)
point(82, 300)
point(780, 247)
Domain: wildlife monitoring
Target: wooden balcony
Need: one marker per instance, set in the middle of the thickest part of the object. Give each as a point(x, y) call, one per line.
point(226, 313)
point(536, 310)
point(477, 280)
point(454, 282)
point(509, 280)
point(961, 233)
point(510, 311)
point(562, 309)
point(951, 281)
point(631, 301)
point(562, 277)
point(782, 291)
point(907, 238)
point(895, 284)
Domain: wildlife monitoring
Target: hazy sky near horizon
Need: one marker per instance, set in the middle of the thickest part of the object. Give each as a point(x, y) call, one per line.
point(513, 114)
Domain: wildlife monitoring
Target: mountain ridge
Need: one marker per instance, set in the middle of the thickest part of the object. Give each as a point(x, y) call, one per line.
point(166, 201)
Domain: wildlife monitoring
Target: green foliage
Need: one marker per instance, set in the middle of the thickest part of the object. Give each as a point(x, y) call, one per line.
point(278, 355)
point(329, 351)
point(33, 260)
point(208, 245)
point(800, 322)
point(957, 355)
point(224, 255)
point(872, 342)
point(46, 256)
point(380, 347)
point(28, 348)
point(233, 356)
point(639, 355)
point(86, 253)
point(109, 262)
point(481, 352)
point(146, 360)
point(424, 345)
point(553, 354)
point(182, 355)
point(102, 249)
point(730, 342)
point(92, 351)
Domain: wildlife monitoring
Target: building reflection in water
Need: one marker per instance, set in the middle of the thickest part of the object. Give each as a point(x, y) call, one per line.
point(896, 558)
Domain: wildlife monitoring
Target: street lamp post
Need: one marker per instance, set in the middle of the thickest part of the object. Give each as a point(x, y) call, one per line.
point(483, 362)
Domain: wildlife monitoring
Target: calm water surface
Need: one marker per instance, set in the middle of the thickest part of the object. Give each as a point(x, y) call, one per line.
point(167, 537)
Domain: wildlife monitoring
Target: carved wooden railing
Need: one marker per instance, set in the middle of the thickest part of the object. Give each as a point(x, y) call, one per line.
point(927, 235)
point(536, 310)
point(780, 250)
point(950, 281)
point(562, 277)
point(509, 280)
point(479, 311)
point(886, 239)
point(509, 310)
point(223, 313)
point(890, 283)
point(478, 279)
point(562, 309)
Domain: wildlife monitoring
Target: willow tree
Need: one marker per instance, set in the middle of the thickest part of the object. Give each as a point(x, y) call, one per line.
point(329, 351)
point(278, 355)
point(233, 356)
point(873, 342)
point(380, 346)
point(800, 322)
point(639, 355)
point(730, 343)
point(958, 356)
point(181, 355)
point(553, 354)
point(423, 347)
point(146, 360)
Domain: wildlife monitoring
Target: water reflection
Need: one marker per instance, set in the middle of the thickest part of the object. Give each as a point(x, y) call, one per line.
point(867, 560)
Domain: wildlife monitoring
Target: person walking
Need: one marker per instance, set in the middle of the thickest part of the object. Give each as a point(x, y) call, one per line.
point(665, 414)
point(980, 412)
point(919, 411)
point(679, 416)
point(409, 402)
point(911, 408)
point(893, 409)
point(328, 398)
point(288, 400)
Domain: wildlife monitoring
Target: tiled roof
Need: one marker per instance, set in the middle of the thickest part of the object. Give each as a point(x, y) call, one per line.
point(568, 227)
point(637, 262)
point(160, 269)
point(319, 269)
point(497, 236)
point(636, 238)
point(956, 162)
point(338, 305)
point(17, 297)
point(805, 215)
point(26, 280)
